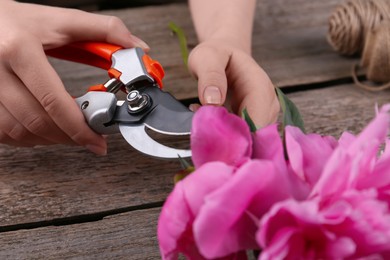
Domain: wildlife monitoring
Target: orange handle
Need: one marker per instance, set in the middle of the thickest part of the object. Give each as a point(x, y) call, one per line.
point(97, 54)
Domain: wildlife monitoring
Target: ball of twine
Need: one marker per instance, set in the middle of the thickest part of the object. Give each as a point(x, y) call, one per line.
point(363, 27)
point(350, 23)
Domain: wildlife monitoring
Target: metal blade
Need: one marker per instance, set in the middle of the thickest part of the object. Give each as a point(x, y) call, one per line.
point(140, 140)
point(169, 117)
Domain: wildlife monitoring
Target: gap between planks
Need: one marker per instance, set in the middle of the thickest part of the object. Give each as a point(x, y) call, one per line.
point(79, 219)
point(298, 88)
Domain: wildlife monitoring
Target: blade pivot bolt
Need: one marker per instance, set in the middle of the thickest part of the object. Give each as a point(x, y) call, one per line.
point(137, 102)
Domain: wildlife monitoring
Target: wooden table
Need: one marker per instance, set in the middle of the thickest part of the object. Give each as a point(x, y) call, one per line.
point(64, 202)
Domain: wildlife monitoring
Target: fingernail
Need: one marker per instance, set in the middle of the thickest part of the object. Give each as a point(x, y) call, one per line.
point(99, 150)
point(194, 107)
point(212, 95)
point(139, 42)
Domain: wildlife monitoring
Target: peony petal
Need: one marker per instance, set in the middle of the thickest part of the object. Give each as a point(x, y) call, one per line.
point(386, 153)
point(174, 221)
point(268, 145)
point(335, 177)
point(380, 177)
point(282, 215)
point(346, 139)
point(355, 224)
point(179, 211)
point(354, 160)
point(280, 249)
point(217, 135)
point(345, 170)
point(293, 230)
point(227, 221)
point(206, 179)
point(377, 129)
point(307, 153)
point(340, 248)
point(241, 255)
point(368, 223)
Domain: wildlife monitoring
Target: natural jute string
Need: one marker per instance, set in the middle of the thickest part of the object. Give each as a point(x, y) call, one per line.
point(363, 27)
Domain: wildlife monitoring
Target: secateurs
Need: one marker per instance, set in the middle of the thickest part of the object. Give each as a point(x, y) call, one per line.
point(146, 105)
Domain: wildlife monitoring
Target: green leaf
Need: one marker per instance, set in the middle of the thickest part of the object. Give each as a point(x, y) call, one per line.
point(291, 115)
point(187, 169)
point(184, 164)
point(182, 174)
point(249, 121)
point(182, 41)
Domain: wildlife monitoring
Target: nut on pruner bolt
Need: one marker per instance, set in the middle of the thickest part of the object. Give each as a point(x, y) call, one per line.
point(137, 102)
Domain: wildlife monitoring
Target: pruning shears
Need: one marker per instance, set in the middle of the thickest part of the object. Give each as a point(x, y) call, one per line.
point(146, 104)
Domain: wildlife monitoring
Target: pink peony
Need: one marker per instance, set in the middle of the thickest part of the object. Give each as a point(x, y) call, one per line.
point(308, 196)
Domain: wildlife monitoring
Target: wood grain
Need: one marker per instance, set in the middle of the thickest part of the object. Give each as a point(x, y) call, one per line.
point(123, 236)
point(289, 41)
point(130, 235)
point(48, 183)
point(332, 110)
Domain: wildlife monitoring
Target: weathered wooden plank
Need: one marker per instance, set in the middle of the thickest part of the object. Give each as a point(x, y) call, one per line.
point(58, 182)
point(131, 235)
point(289, 42)
point(332, 110)
point(47, 183)
point(125, 236)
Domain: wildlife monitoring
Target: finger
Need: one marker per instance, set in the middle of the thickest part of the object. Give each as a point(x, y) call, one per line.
point(45, 85)
point(14, 133)
point(194, 107)
point(208, 65)
point(252, 89)
point(79, 25)
point(5, 139)
point(27, 112)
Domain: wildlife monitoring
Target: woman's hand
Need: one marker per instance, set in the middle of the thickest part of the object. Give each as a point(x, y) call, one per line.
point(222, 69)
point(34, 105)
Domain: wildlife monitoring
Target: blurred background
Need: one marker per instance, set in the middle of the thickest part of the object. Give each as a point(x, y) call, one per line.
point(91, 5)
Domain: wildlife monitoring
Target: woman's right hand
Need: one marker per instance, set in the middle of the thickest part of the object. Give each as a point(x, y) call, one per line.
point(35, 108)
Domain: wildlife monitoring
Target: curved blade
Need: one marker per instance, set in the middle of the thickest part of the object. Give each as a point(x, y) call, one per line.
point(169, 116)
point(140, 140)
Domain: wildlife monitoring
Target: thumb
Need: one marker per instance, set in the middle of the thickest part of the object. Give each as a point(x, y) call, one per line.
point(208, 66)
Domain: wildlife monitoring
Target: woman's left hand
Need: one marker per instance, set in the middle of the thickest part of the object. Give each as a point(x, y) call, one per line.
point(222, 69)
